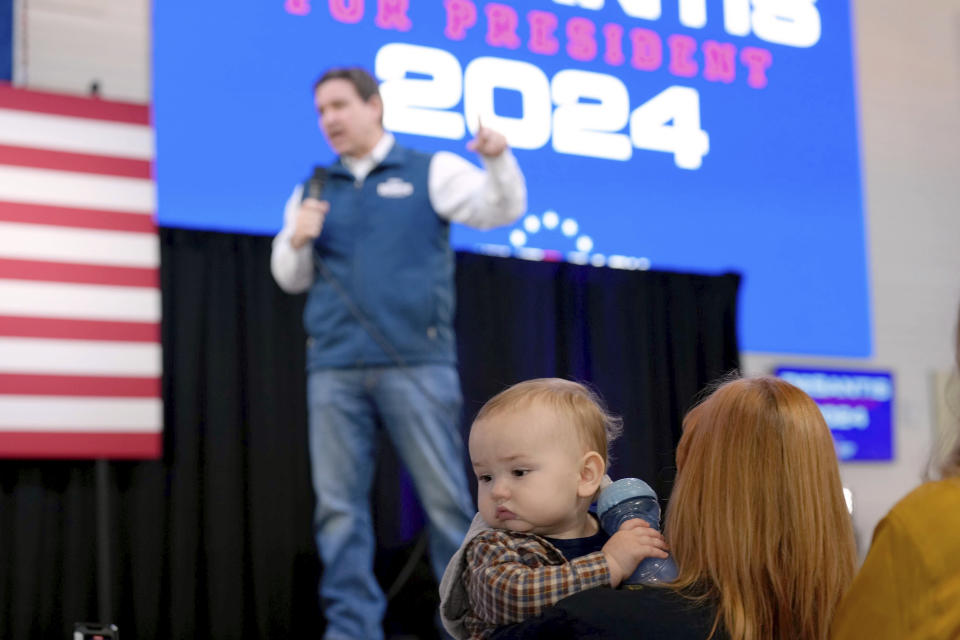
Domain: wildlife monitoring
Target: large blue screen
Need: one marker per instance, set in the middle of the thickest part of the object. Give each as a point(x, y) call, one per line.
point(677, 134)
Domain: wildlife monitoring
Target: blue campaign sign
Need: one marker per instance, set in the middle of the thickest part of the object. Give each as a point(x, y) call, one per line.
point(858, 408)
point(6, 41)
point(667, 134)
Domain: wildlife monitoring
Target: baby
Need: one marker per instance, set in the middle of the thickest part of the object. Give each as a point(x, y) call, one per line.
point(539, 451)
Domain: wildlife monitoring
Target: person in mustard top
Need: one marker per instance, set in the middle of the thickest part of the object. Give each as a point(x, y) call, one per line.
point(909, 585)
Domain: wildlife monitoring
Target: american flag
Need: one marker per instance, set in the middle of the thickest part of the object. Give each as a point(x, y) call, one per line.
point(80, 357)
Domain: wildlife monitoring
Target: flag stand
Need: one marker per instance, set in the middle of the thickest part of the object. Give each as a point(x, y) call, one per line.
point(104, 629)
point(104, 591)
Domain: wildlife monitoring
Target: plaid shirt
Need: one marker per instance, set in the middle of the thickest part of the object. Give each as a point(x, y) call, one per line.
point(512, 576)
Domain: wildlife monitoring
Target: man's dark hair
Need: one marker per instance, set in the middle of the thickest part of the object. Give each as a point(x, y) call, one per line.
point(360, 78)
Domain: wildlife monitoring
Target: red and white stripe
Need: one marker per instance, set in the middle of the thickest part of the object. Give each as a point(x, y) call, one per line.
point(80, 357)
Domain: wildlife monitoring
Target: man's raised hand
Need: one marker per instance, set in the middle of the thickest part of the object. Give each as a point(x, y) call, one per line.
point(487, 142)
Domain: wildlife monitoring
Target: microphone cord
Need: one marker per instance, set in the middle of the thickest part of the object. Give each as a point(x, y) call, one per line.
point(315, 191)
point(374, 332)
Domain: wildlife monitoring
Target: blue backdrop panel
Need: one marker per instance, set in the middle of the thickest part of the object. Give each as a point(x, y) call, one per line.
point(682, 134)
point(6, 40)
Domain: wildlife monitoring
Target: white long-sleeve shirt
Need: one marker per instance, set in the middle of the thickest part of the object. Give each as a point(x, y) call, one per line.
point(459, 191)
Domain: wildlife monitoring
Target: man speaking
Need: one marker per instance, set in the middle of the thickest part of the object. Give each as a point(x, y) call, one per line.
point(369, 238)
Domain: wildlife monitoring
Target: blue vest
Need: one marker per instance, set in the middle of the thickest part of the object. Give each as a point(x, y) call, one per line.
point(390, 252)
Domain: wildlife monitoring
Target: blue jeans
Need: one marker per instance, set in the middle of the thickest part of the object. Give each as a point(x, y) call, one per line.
point(346, 406)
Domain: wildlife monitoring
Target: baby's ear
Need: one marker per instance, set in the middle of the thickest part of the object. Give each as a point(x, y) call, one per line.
point(592, 469)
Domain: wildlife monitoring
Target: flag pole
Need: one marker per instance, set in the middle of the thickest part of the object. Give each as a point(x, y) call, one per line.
point(104, 592)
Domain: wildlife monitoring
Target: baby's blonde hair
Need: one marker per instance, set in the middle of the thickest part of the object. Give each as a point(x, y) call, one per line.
point(595, 425)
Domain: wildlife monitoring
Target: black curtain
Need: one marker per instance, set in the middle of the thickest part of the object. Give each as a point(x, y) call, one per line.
point(648, 341)
point(214, 540)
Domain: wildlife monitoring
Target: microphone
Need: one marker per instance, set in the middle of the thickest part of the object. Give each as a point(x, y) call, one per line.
point(316, 183)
